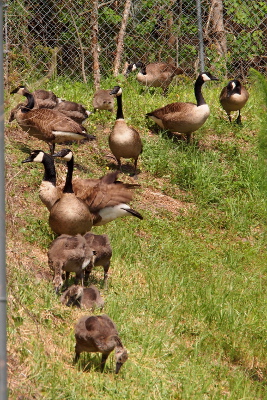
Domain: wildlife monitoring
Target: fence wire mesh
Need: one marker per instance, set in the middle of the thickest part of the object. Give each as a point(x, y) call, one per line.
point(85, 39)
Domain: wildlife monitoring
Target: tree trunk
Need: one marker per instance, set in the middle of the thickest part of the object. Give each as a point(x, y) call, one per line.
point(217, 36)
point(120, 42)
point(218, 27)
point(95, 47)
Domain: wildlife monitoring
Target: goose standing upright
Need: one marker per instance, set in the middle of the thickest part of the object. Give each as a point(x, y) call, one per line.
point(48, 125)
point(124, 140)
point(233, 97)
point(184, 118)
point(70, 214)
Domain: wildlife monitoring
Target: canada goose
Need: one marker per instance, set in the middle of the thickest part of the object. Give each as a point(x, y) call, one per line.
point(101, 245)
point(184, 117)
point(68, 254)
point(70, 214)
point(48, 125)
point(233, 97)
point(99, 334)
point(42, 98)
point(82, 297)
point(102, 100)
point(124, 141)
point(158, 74)
point(106, 197)
point(75, 111)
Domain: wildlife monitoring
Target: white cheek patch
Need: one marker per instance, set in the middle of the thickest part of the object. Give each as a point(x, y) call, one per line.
point(39, 157)
point(205, 77)
point(233, 85)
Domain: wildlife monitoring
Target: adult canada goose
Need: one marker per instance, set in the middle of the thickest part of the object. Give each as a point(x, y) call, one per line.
point(70, 214)
point(107, 198)
point(82, 297)
point(233, 97)
point(99, 334)
point(124, 140)
point(158, 74)
point(184, 117)
point(102, 100)
point(42, 98)
point(48, 125)
point(75, 111)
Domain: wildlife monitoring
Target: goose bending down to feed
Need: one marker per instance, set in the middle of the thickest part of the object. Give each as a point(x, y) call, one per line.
point(124, 140)
point(184, 118)
point(82, 297)
point(102, 100)
point(75, 111)
point(158, 74)
point(69, 254)
point(48, 125)
point(99, 334)
point(106, 198)
point(42, 98)
point(233, 97)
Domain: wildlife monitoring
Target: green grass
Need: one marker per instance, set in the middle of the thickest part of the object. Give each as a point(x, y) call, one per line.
point(188, 283)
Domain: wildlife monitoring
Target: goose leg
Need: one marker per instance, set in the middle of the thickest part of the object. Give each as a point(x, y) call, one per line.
point(51, 148)
point(103, 361)
point(238, 121)
point(229, 117)
point(77, 355)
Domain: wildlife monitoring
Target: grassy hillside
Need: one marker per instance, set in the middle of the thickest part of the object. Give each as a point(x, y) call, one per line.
point(187, 284)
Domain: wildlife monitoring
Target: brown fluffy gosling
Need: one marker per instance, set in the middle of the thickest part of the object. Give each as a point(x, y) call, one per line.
point(98, 334)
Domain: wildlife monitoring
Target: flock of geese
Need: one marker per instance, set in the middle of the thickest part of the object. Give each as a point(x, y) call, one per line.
point(78, 205)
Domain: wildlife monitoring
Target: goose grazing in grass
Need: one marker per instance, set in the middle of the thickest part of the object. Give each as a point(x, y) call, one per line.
point(98, 334)
point(184, 118)
point(82, 297)
point(233, 97)
point(158, 74)
point(124, 141)
point(48, 125)
point(106, 198)
point(102, 100)
point(42, 98)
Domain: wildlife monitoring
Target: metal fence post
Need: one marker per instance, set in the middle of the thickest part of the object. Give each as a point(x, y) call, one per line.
point(200, 36)
point(3, 363)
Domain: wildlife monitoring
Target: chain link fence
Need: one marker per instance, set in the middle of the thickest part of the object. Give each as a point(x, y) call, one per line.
point(87, 40)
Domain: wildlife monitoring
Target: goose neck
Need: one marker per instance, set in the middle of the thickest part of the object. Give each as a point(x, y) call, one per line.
point(68, 183)
point(50, 171)
point(119, 108)
point(29, 106)
point(198, 93)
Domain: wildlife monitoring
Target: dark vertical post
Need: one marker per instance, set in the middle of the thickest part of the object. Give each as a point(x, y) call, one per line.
point(200, 36)
point(3, 361)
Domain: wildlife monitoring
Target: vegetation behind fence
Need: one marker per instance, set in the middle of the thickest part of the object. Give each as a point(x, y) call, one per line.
point(86, 40)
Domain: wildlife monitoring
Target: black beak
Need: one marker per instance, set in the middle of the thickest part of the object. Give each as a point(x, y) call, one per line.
point(118, 367)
